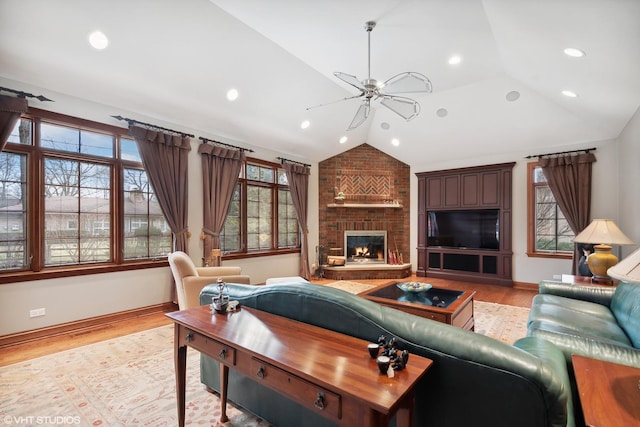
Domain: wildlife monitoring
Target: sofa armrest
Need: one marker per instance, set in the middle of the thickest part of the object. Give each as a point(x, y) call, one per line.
point(218, 271)
point(571, 344)
point(243, 279)
point(596, 294)
point(553, 360)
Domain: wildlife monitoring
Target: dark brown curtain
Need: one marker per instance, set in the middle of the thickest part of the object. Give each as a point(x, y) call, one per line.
point(10, 110)
point(220, 169)
point(165, 158)
point(569, 178)
point(298, 177)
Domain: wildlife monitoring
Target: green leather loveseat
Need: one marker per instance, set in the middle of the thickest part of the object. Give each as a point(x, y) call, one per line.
point(601, 322)
point(475, 380)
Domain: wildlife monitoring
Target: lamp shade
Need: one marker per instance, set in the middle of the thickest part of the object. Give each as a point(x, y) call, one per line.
point(603, 231)
point(627, 270)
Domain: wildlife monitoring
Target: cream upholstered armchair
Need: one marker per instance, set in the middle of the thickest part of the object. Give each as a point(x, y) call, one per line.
point(191, 279)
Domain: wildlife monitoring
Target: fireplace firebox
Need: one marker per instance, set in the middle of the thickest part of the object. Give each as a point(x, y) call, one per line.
point(368, 246)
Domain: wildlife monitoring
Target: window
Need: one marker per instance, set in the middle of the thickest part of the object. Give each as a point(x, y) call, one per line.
point(74, 197)
point(549, 232)
point(13, 216)
point(261, 217)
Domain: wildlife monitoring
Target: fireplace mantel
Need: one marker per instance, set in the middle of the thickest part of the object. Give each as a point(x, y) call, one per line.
point(365, 205)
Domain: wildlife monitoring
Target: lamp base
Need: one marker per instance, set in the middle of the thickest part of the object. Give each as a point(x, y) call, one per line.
point(599, 262)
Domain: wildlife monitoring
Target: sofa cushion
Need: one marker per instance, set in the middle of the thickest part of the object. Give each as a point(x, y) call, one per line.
point(576, 318)
point(625, 306)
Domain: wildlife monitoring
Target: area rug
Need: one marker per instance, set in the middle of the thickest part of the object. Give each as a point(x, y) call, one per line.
point(506, 323)
point(129, 381)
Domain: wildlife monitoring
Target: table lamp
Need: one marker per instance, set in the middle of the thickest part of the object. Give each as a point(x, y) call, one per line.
point(627, 270)
point(602, 233)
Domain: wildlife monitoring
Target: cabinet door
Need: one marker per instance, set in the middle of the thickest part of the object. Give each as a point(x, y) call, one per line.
point(470, 190)
point(491, 188)
point(452, 191)
point(434, 193)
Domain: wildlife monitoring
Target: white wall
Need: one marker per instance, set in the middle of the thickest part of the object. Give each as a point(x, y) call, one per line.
point(80, 297)
point(627, 173)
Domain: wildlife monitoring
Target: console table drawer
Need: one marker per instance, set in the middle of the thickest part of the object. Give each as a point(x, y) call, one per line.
point(214, 349)
point(304, 392)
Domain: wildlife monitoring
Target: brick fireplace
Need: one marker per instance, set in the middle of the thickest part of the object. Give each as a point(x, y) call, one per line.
point(376, 190)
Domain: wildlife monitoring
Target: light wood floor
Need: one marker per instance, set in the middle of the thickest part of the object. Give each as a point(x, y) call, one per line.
point(42, 347)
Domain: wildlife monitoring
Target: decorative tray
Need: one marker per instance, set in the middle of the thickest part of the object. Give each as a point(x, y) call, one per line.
point(414, 286)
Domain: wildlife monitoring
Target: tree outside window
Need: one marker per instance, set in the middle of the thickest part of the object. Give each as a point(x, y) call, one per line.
point(261, 217)
point(549, 231)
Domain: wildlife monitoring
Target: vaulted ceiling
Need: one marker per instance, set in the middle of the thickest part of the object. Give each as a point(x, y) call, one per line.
point(174, 61)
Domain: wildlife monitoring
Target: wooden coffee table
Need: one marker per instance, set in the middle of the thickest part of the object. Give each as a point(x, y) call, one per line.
point(443, 305)
point(609, 393)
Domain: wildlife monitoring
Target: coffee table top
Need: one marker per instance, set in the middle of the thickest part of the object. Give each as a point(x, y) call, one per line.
point(434, 297)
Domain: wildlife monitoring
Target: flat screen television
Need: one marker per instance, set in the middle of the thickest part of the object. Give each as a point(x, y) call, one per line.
point(469, 229)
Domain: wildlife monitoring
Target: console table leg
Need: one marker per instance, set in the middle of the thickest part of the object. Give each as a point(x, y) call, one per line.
point(180, 359)
point(224, 382)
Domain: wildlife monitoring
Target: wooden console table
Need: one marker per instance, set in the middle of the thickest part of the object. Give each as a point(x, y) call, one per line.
point(609, 393)
point(327, 372)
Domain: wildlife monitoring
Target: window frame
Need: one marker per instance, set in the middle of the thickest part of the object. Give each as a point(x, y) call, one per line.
point(531, 218)
point(35, 201)
point(274, 186)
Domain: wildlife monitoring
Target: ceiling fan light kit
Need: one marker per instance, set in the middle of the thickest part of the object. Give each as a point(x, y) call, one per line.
point(387, 92)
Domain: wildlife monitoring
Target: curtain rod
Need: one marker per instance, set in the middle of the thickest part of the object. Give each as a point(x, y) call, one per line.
point(132, 121)
point(292, 161)
point(25, 94)
point(205, 140)
point(586, 150)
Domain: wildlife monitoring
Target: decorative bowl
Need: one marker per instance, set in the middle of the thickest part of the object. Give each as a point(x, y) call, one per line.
point(414, 286)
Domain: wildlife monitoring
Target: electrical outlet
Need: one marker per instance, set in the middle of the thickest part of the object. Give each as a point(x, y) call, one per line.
point(557, 276)
point(37, 312)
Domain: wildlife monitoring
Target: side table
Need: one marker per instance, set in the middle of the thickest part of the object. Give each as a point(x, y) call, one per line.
point(609, 393)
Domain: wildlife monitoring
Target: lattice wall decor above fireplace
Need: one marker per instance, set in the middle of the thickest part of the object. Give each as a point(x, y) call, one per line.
point(365, 184)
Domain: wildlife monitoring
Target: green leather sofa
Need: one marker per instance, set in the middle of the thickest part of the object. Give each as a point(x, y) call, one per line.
point(601, 322)
point(475, 380)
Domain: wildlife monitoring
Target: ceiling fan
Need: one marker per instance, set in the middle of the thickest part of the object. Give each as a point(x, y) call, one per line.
point(407, 82)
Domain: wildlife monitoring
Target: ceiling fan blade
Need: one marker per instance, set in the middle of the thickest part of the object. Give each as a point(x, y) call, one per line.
point(336, 101)
point(404, 107)
point(352, 80)
point(361, 115)
point(408, 82)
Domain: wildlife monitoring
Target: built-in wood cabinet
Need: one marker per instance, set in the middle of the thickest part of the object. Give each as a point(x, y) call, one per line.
point(481, 187)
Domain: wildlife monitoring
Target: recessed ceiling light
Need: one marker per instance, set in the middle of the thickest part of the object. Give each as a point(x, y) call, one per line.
point(232, 94)
point(455, 60)
point(98, 40)
point(569, 93)
point(343, 139)
point(442, 112)
point(514, 95)
point(573, 52)
point(395, 142)
point(305, 124)
point(385, 125)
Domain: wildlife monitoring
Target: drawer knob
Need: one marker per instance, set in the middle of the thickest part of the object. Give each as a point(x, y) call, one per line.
point(260, 373)
point(320, 402)
point(223, 353)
